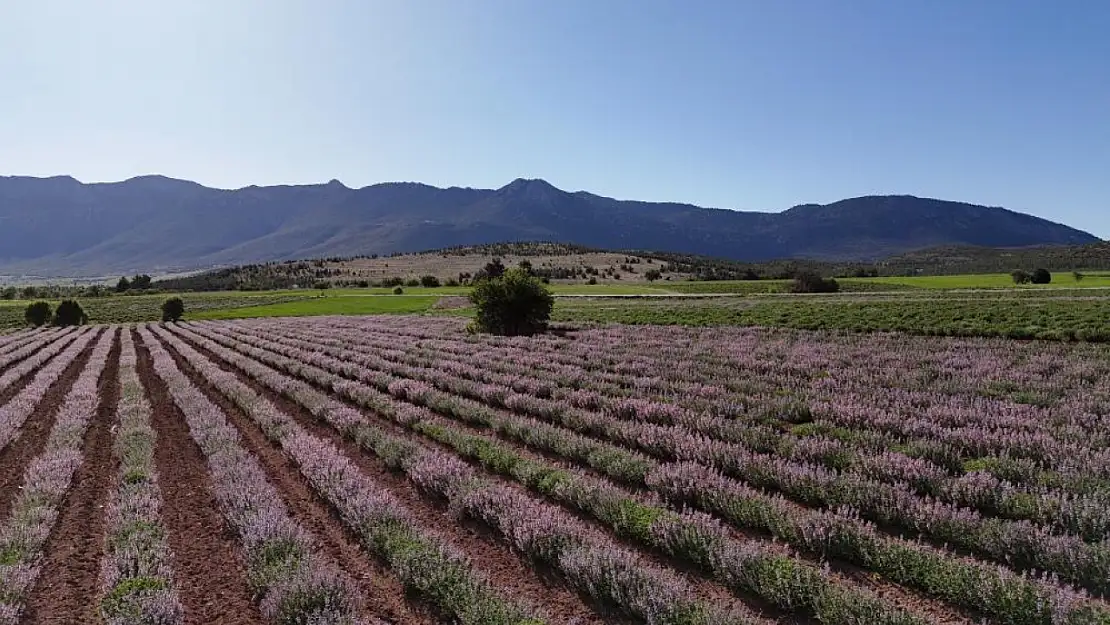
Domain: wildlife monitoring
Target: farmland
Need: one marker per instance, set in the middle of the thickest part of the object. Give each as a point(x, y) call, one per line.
point(393, 469)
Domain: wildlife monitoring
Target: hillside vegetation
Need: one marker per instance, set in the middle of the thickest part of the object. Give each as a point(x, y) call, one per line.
point(572, 263)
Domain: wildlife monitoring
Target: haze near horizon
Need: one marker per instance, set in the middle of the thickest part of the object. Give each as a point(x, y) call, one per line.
point(745, 105)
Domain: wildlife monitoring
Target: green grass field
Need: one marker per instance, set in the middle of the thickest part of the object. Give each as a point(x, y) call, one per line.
point(990, 281)
point(369, 305)
point(970, 305)
point(1053, 318)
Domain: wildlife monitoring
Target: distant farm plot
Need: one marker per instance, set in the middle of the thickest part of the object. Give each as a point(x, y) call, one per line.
point(394, 469)
point(1020, 315)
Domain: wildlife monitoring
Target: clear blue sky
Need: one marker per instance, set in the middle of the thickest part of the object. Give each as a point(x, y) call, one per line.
point(755, 105)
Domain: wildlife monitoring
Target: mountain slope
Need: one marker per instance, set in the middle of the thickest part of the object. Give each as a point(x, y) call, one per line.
point(59, 226)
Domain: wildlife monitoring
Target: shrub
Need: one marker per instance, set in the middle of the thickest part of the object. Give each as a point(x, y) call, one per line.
point(429, 281)
point(398, 290)
point(1040, 276)
point(514, 304)
point(653, 274)
point(70, 313)
point(172, 309)
point(1020, 276)
point(37, 314)
point(451, 282)
point(493, 269)
point(412, 282)
point(807, 282)
point(321, 285)
point(1078, 276)
point(592, 280)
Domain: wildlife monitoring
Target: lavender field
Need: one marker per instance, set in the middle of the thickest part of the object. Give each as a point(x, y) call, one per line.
point(398, 470)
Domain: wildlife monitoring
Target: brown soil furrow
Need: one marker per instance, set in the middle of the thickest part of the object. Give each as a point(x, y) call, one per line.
point(383, 593)
point(504, 569)
point(210, 575)
point(35, 432)
point(67, 587)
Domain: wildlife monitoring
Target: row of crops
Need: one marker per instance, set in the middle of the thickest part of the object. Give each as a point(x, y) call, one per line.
point(395, 469)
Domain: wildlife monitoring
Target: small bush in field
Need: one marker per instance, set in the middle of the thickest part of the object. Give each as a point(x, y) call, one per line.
point(173, 309)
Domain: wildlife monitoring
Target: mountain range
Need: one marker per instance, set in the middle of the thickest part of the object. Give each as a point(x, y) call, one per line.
point(60, 226)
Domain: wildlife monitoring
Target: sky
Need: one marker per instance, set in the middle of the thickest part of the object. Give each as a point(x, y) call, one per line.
point(753, 105)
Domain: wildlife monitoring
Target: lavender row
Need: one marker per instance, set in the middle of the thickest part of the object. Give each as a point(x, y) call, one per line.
point(747, 567)
point(136, 573)
point(994, 590)
point(587, 559)
point(46, 481)
point(424, 562)
point(1025, 451)
point(1021, 544)
point(14, 413)
point(14, 341)
point(1079, 514)
point(293, 582)
point(32, 350)
point(926, 370)
point(943, 411)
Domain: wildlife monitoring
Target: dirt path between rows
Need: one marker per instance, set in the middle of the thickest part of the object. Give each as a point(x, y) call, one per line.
point(382, 592)
point(208, 564)
point(32, 437)
point(67, 587)
point(501, 567)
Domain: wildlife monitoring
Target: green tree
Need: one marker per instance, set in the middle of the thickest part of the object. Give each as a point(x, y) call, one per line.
point(398, 290)
point(1040, 276)
point(173, 309)
point(141, 282)
point(808, 282)
point(123, 285)
point(70, 313)
point(1020, 276)
point(37, 314)
point(653, 274)
point(514, 304)
point(429, 281)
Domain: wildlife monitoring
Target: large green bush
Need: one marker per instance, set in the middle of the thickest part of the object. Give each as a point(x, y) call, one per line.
point(70, 313)
point(514, 304)
point(38, 313)
point(173, 309)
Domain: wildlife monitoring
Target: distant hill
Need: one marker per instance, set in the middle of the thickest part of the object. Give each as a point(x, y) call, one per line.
point(60, 226)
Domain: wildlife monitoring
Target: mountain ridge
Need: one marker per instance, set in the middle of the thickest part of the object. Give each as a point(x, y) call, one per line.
point(63, 227)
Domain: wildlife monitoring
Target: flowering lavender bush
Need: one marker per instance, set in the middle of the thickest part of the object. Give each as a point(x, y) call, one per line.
point(294, 583)
point(45, 483)
point(136, 577)
point(959, 580)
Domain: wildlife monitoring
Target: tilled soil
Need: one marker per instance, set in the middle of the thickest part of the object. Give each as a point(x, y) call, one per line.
point(35, 432)
point(500, 566)
point(67, 587)
point(207, 561)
